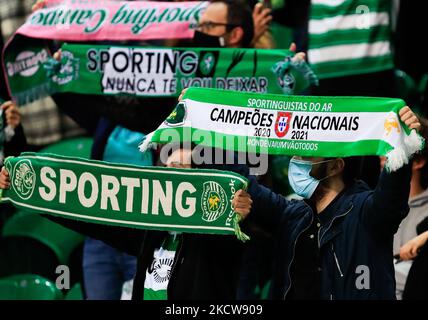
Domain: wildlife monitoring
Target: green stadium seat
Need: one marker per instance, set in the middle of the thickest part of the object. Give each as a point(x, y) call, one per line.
point(75, 293)
point(60, 240)
point(28, 287)
point(423, 83)
point(264, 295)
point(407, 89)
point(76, 147)
point(423, 86)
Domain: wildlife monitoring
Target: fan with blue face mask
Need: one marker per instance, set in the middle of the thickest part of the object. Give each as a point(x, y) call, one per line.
point(300, 178)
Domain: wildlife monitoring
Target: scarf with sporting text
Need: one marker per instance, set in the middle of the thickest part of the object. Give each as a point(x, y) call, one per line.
point(290, 125)
point(152, 71)
point(91, 21)
point(183, 200)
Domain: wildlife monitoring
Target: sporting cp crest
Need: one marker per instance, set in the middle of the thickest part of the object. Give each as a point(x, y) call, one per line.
point(177, 116)
point(282, 123)
point(23, 179)
point(213, 201)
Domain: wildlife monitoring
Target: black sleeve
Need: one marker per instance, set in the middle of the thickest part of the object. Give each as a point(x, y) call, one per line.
point(417, 279)
point(84, 113)
point(268, 207)
point(294, 13)
point(388, 205)
point(124, 239)
point(137, 114)
point(17, 144)
point(422, 226)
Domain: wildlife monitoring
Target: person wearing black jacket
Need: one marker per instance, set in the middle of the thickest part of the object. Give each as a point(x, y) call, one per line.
point(416, 287)
point(337, 243)
point(205, 267)
point(344, 252)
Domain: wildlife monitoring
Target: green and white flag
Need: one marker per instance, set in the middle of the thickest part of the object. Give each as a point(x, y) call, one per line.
point(349, 37)
point(151, 71)
point(290, 125)
point(184, 200)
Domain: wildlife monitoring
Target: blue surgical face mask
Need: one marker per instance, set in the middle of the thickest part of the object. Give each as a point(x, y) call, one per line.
point(300, 179)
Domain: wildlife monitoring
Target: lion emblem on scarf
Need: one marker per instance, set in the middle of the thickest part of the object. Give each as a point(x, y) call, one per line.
point(213, 201)
point(23, 179)
point(391, 123)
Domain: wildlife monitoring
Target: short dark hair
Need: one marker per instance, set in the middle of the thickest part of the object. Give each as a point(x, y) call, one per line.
point(239, 14)
point(423, 154)
point(352, 170)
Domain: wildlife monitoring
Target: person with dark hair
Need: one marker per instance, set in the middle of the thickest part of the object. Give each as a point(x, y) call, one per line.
point(406, 240)
point(417, 249)
point(353, 170)
point(337, 242)
point(172, 265)
point(225, 23)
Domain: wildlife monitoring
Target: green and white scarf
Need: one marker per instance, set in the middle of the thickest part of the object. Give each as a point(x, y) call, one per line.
point(184, 200)
point(151, 71)
point(290, 125)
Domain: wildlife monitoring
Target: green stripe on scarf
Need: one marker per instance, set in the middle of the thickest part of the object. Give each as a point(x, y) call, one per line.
point(290, 125)
point(184, 200)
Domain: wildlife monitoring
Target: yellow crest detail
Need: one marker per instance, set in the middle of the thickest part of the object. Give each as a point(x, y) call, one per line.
point(391, 123)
